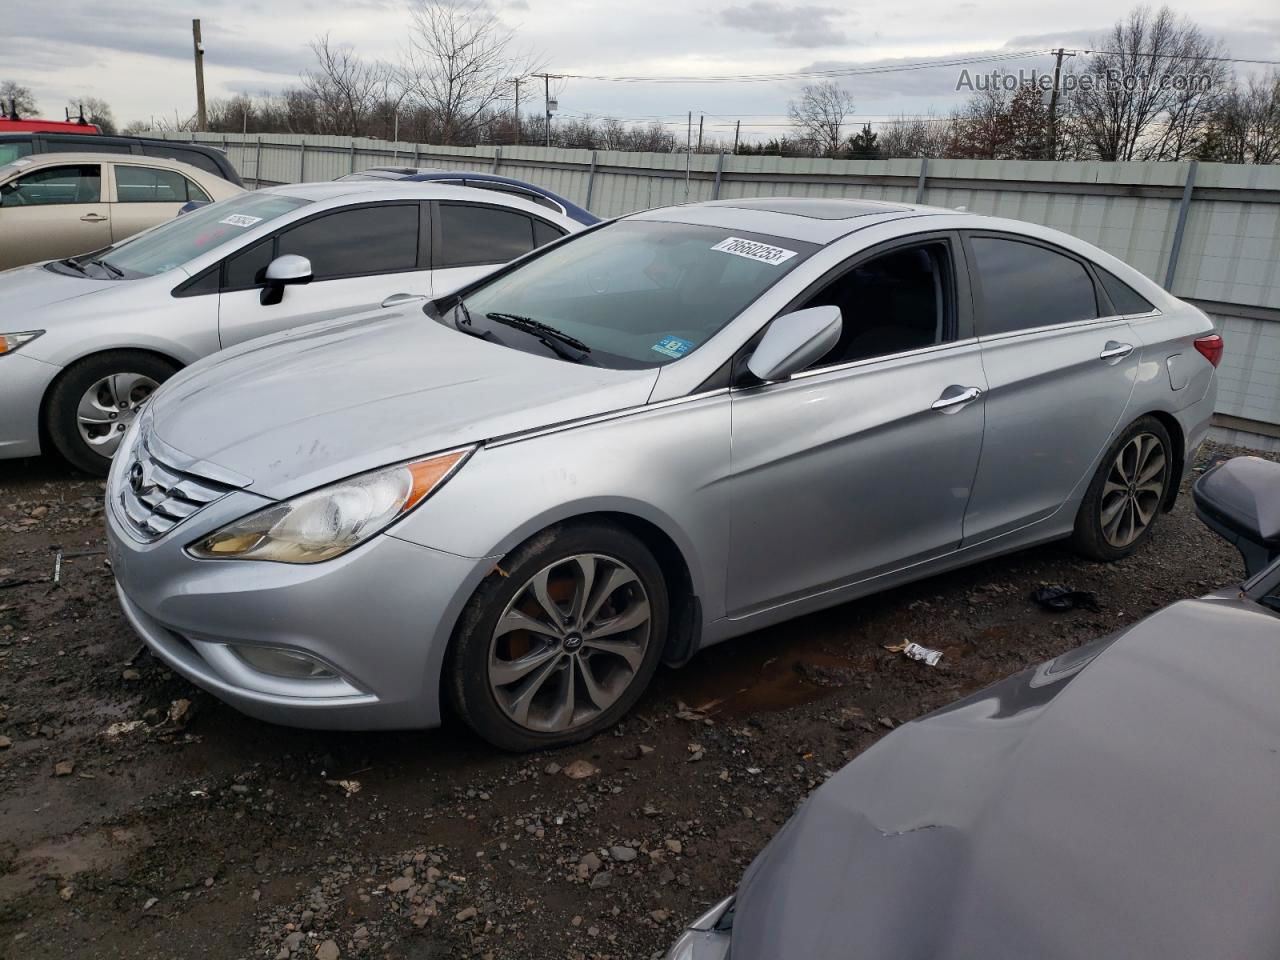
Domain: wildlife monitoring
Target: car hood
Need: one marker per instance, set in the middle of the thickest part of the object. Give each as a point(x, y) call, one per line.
point(1117, 802)
point(28, 288)
point(322, 402)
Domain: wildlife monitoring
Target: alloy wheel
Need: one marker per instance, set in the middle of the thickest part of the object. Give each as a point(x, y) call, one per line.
point(569, 643)
point(108, 407)
point(1133, 489)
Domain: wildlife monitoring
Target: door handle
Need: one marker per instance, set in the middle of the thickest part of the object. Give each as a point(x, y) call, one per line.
point(93, 218)
point(398, 298)
point(1115, 350)
point(955, 397)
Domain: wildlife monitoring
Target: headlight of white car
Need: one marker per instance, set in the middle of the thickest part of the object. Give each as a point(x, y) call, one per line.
point(328, 522)
point(707, 938)
point(10, 342)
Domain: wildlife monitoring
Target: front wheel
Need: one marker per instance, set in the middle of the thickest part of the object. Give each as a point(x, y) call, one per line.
point(96, 399)
point(563, 644)
point(1125, 495)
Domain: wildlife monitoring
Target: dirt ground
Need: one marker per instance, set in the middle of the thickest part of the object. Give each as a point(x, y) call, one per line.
point(139, 817)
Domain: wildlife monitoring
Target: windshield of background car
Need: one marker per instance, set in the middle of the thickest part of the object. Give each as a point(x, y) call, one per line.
point(637, 293)
point(179, 240)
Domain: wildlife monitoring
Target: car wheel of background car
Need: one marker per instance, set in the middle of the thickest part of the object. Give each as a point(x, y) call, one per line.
point(96, 399)
point(560, 642)
point(1124, 498)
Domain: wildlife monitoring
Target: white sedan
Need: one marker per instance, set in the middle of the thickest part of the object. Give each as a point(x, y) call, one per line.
point(84, 341)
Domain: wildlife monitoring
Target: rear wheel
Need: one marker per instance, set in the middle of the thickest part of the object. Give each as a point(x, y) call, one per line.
point(564, 644)
point(94, 402)
point(1125, 495)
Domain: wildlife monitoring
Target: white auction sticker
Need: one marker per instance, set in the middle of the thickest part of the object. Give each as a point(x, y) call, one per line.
point(754, 251)
point(21, 163)
point(240, 220)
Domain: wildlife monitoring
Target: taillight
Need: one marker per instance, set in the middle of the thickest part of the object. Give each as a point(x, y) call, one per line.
point(1210, 347)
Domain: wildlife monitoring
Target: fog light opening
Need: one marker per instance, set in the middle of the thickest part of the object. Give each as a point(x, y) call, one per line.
point(284, 663)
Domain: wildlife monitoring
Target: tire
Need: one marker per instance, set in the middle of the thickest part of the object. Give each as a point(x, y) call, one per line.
point(111, 386)
point(1119, 510)
point(511, 685)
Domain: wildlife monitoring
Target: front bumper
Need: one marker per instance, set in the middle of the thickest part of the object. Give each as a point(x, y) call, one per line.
point(380, 617)
point(23, 382)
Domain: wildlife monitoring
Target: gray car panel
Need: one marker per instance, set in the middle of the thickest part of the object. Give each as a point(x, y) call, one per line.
point(984, 818)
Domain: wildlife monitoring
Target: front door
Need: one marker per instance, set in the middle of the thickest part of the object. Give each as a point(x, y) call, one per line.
point(359, 257)
point(52, 213)
point(1059, 379)
point(862, 464)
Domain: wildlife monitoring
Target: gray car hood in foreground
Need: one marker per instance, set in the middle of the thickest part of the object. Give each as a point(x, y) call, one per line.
point(323, 402)
point(1127, 809)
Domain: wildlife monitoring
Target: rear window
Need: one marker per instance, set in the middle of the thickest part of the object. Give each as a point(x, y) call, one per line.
point(11, 150)
point(1025, 286)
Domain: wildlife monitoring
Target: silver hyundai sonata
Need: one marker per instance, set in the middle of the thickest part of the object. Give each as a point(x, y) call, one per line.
point(647, 438)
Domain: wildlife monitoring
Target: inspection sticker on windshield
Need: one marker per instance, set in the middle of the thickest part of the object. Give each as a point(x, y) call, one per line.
point(240, 220)
point(672, 347)
point(754, 251)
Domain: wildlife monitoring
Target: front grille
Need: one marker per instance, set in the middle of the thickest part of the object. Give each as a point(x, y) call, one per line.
point(156, 496)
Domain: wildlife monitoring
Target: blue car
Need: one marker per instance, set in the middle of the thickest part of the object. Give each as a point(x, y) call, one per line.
point(482, 181)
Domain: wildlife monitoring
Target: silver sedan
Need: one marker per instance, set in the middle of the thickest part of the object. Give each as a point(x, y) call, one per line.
point(664, 432)
point(84, 341)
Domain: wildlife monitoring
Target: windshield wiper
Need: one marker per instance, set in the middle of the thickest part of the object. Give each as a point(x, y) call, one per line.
point(113, 270)
point(556, 340)
point(73, 263)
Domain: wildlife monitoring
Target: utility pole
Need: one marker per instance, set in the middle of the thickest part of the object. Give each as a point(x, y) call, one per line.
point(737, 129)
point(688, 134)
point(1053, 104)
point(546, 93)
point(701, 117)
point(202, 119)
point(516, 81)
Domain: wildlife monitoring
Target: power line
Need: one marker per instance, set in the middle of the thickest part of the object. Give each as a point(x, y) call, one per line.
point(1175, 56)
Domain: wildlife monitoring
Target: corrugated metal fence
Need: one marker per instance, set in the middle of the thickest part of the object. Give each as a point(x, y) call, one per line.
point(1208, 232)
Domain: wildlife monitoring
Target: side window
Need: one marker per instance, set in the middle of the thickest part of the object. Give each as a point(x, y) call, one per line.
point(199, 160)
point(544, 233)
point(1123, 297)
point(83, 145)
point(1025, 285)
point(78, 183)
point(368, 240)
point(473, 235)
point(11, 150)
point(901, 300)
point(245, 269)
point(152, 185)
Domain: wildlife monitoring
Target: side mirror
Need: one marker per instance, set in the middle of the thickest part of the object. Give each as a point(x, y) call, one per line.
point(1240, 501)
point(282, 272)
point(795, 340)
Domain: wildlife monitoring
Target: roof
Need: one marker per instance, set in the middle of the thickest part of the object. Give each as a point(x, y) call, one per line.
point(796, 218)
point(380, 189)
point(131, 159)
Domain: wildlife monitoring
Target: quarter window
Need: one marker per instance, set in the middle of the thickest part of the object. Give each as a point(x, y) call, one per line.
point(152, 185)
point(367, 240)
point(78, 183)
point(1124, 298)
point(473, 235)
point(901, 300)
point(1025, 285)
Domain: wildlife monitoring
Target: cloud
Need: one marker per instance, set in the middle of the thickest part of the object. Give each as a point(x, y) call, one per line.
point(804, 26)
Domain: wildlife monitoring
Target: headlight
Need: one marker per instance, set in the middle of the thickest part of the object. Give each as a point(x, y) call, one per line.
point(707, 938)
point(10, 342)
point(330, 521)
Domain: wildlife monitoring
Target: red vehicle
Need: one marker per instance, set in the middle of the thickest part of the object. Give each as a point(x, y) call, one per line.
point(14, 125)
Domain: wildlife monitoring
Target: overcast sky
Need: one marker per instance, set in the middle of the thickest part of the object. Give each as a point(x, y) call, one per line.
point(136, 54)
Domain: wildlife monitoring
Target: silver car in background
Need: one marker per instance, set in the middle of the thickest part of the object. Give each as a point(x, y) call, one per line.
point(664, 432)
point(84, 341)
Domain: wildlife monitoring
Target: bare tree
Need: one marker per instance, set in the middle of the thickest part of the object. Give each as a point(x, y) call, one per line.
point(346, 88)
point(18, 97)
point(457, 63)
point(96, 111)
point(819, 116)
point(1246, 127)
point(1148, 110)
point(915, 137)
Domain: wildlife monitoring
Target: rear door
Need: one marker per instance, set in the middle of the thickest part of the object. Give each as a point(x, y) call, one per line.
point(470, 239)
point(1060, 370)
point(53, 212)
point(146, 196)
point(359, 257)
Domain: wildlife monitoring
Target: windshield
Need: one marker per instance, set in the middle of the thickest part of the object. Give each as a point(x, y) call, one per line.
point(634, 294)
point(177, 241)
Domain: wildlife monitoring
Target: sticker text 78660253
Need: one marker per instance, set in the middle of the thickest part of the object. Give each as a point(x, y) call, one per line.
point(753, 250)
